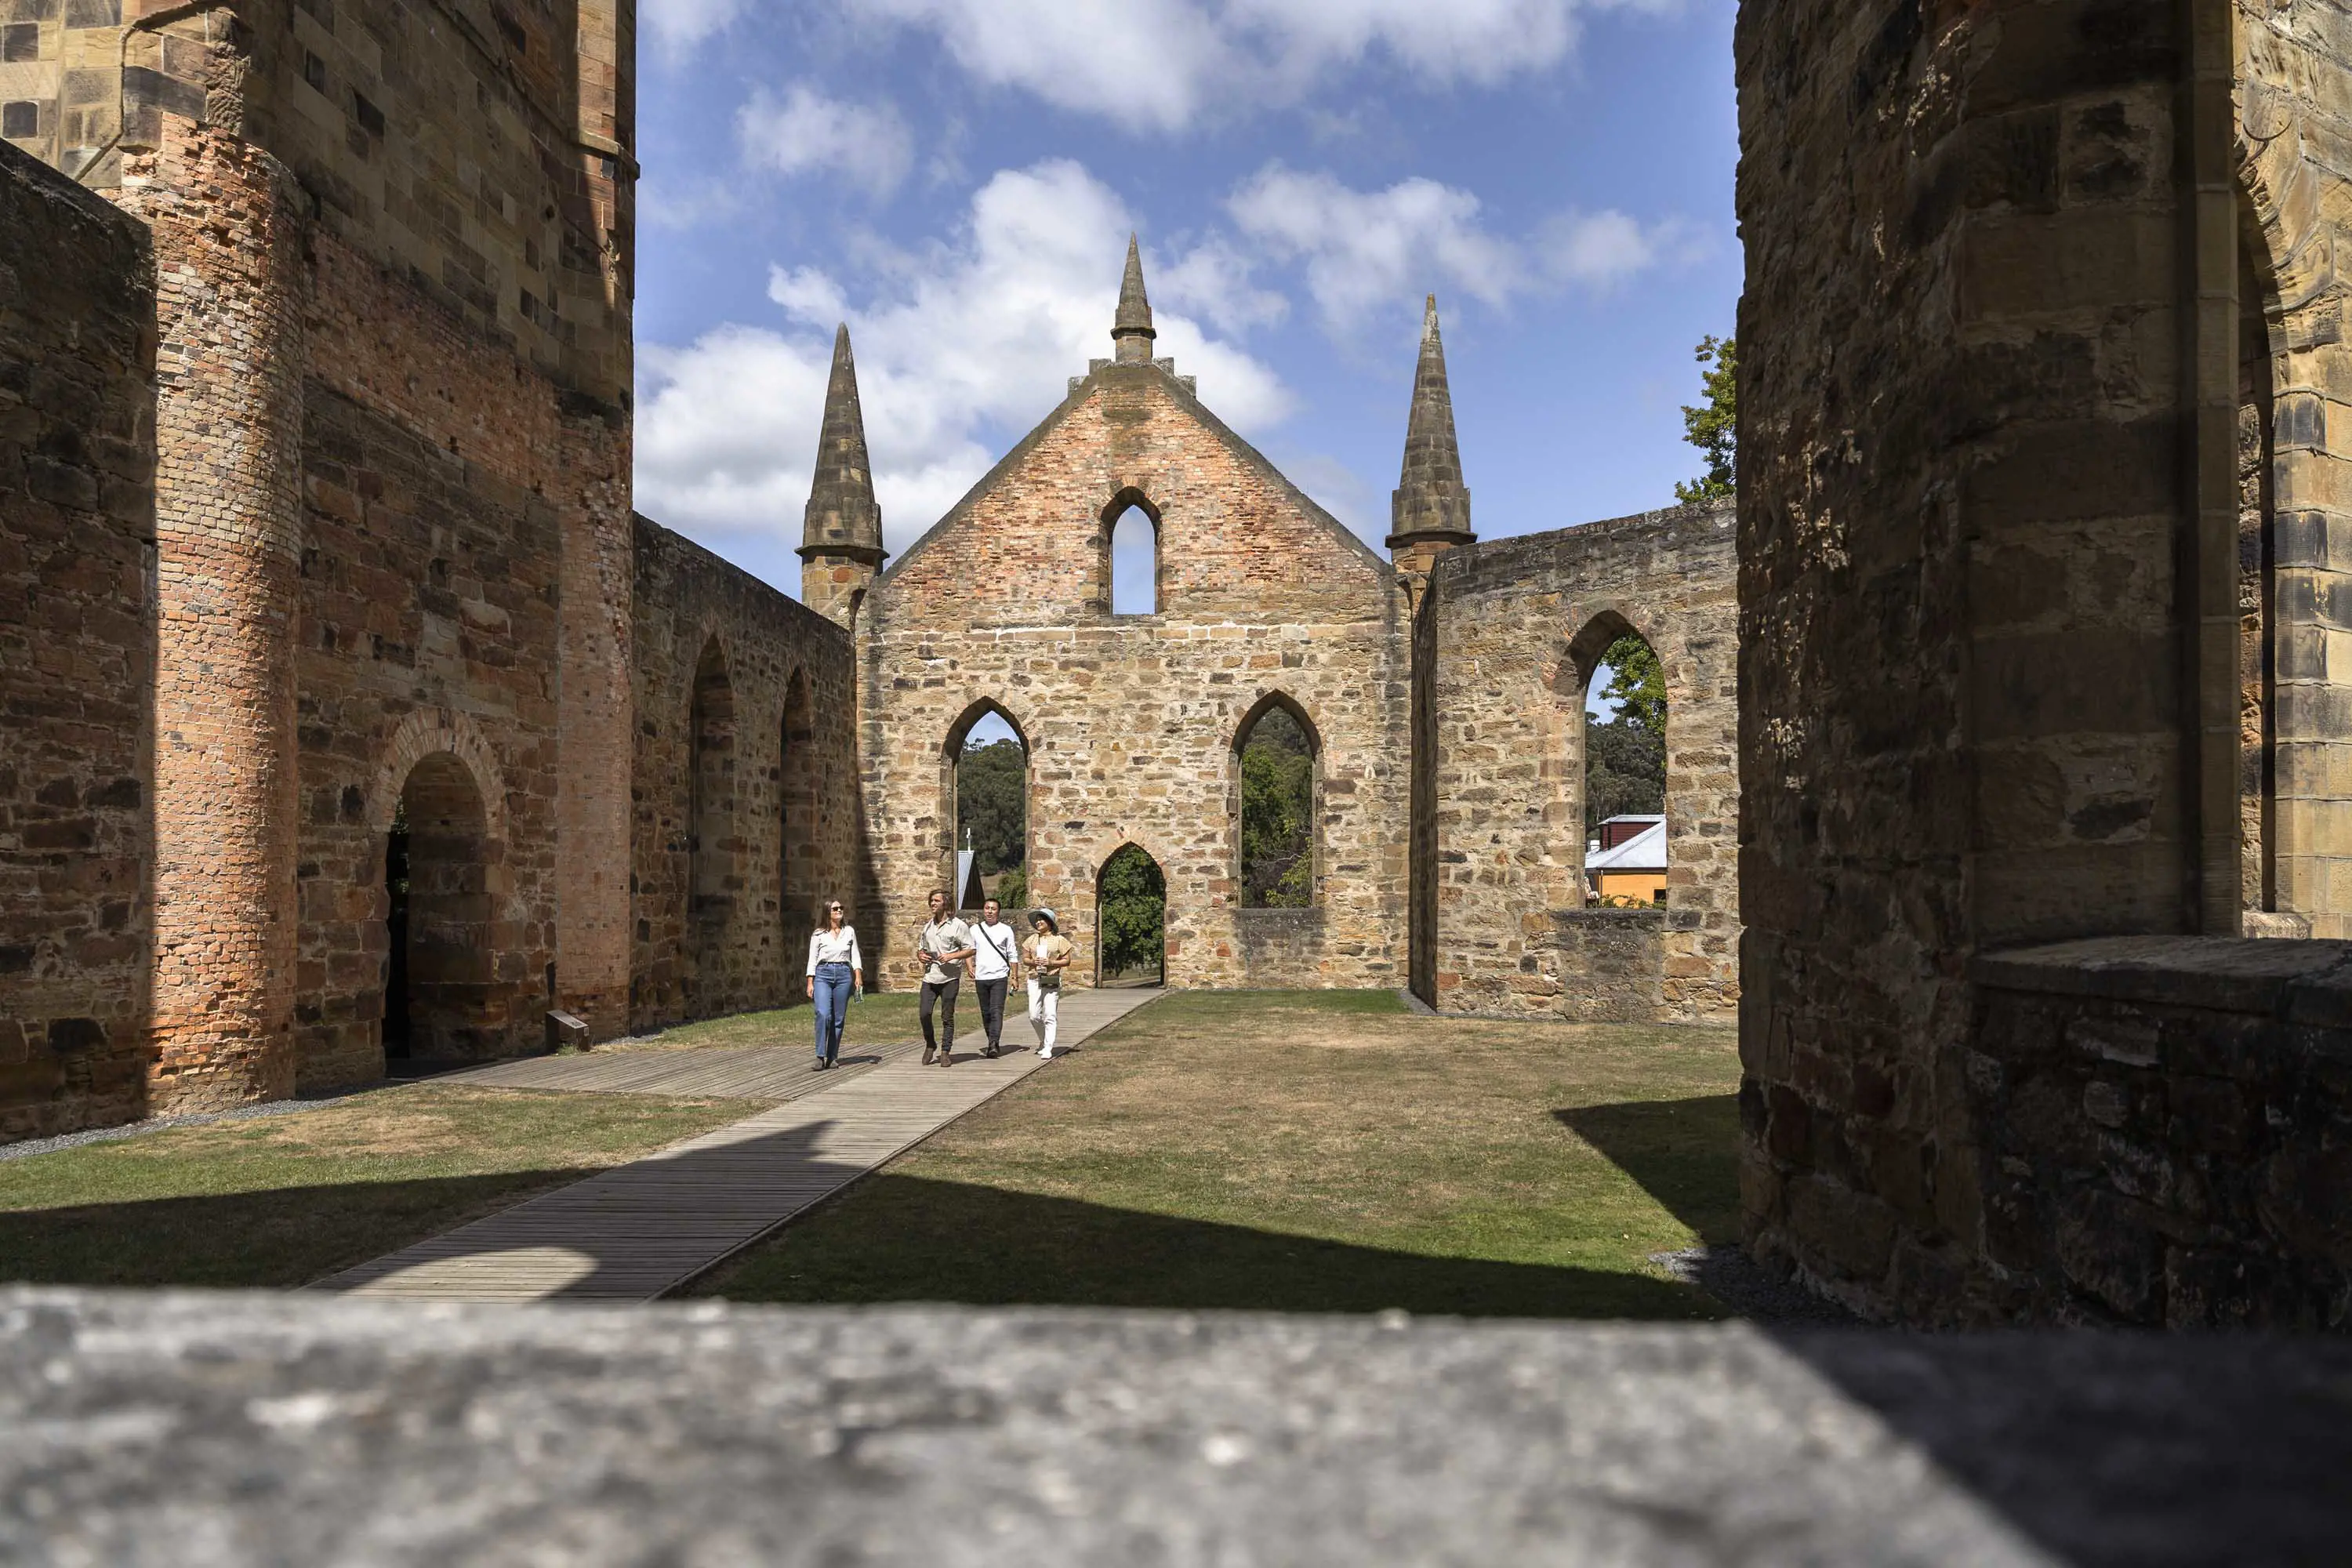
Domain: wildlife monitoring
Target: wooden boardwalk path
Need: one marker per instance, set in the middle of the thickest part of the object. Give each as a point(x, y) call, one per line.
point(646, 1228)
point(735, 1072)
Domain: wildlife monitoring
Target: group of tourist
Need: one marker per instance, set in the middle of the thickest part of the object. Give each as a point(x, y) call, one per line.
point(837, 973)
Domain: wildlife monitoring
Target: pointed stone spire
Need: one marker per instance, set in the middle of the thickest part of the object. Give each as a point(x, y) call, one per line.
point(841, 539)
point(1430, 501)
point(1131, 331)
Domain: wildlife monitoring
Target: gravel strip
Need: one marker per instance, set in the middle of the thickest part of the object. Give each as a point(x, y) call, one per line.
point(1729, 1274)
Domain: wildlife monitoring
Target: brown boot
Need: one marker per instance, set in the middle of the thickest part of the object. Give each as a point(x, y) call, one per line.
point(929, 1052)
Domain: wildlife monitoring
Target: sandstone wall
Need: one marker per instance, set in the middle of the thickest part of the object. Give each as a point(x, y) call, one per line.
point(1130, 720)
point(1517, 626)
point(76, 654)
point(2168, 1132)
point(1998, 449)
point(477, 149)
point(780, 825)
point(2293, 127)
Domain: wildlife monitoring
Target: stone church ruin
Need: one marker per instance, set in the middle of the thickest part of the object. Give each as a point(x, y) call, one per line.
point(348, 707)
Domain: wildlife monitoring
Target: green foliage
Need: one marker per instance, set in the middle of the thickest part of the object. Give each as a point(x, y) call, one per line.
point(1625, 759)
point(1624, 772)
point(991, 788)
point(1013, 892)
point(1637, 683)
point(1714, 427)
point(1132, 897)
point(1277, 815)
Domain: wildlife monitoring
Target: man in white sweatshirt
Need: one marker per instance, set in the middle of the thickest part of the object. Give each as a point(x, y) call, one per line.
point(996, 948)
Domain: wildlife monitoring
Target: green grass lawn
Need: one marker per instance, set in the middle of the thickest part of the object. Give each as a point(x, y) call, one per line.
point(1303, 1151)
point(281, 1200)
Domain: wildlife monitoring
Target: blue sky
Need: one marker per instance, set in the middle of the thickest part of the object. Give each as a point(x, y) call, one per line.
point(957, 178)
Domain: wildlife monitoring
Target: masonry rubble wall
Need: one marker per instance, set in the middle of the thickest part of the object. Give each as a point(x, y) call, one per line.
point(2166, 1130)
point(1132, 721)
point(1516, 627)
point(786, 775)
point(1995, 476)
point(76, 654)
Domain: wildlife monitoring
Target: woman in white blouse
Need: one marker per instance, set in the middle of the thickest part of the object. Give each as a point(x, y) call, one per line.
point(836, 970)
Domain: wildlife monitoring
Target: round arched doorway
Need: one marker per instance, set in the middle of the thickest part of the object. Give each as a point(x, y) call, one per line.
point(440, 997)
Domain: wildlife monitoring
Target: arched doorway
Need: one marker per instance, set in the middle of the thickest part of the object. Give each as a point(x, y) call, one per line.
point(1624, 827)
point(1130, 919)
point(441, 997)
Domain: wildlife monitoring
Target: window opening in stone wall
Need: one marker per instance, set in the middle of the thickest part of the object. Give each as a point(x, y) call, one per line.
point(1624, 770)
point(1130, 919)
point(989, 857)
point(1277, 752)
point(440, 993)
point(2257, 617)
point(713, 877)
point(1134, 564)
point(797, 872)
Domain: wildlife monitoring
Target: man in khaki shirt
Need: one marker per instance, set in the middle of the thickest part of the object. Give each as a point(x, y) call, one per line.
point(945, 944)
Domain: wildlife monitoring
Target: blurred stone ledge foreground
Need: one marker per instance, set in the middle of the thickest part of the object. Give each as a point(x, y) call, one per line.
point(193, 1429)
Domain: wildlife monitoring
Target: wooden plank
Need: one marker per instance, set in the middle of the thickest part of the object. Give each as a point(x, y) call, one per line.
point(634, 1233)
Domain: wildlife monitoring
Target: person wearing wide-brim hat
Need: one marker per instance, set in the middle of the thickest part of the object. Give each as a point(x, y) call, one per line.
point(1047, 954)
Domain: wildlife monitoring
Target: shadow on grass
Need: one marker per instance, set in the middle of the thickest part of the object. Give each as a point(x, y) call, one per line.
point(282, 1237)
point(902, 1238)
point(1683, 1152)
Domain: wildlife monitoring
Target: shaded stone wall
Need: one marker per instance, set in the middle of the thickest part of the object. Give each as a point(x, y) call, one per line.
point(2167, 1125)
point(76, 654)
point(782, 823)
point(1517, 624)
point(1961, 503)
point(2013, 507)
point(1132, 721)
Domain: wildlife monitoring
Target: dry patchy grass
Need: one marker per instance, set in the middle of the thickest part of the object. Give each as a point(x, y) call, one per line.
point(281, 1200)
point(1305, 1150)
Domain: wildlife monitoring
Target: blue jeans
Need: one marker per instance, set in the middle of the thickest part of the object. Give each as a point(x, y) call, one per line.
point(833, 985)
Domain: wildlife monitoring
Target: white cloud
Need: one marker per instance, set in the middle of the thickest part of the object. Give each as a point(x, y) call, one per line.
point(1367, 251)
point(1601, 249)
point(1364, 251)
point(805, 132)
point(1214, 281)
point(961, 346)
point(1163, 65)
point(676, 26)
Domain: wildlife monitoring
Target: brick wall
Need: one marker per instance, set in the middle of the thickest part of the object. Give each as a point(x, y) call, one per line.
point(479, 149)
point(769, 824)
point(229, 237)
point(1517, 626)
point(459, 522)
point(1132, 720)
point(76, 654)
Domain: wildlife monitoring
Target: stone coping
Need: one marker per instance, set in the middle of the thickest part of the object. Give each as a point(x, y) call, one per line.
point(2307, 982)
point(195, 1429)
